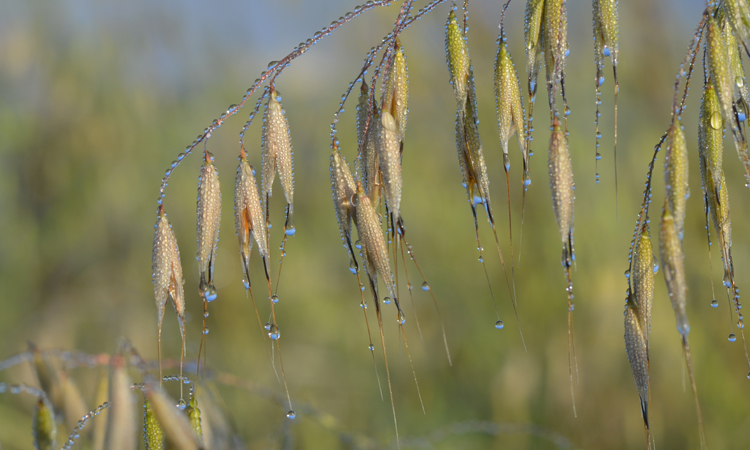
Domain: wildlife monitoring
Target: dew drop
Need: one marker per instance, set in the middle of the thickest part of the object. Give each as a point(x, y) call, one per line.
point(205, 331)
point(714, 303)
point(274, 333)
point(740, 324)
point(387, 301)
point(353, 267)
point(425, 286)
point(732, 337)
point(605, 51)
point(291, 414)
point(601, 81)
point(567, 111)
point(205, 314)
point(716, 121)
point(290, 231)
point(267, 326)
point(739, 81)
point(499, 325)
point(371, 348)
point(363, 305)
point(598, 156)
point(358, 244)
point(181, 404)
point(401, 318)
point(627, 273)
point(274, 299)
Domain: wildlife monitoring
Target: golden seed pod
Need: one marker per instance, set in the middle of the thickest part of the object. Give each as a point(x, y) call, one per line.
point(175, 425)
point(153, 435)
point(606, 27)
point(642, 278)
point(374, 248)
point(277, 155)
point(636, 346)
point(47, 375)
point(343, 188)
point(249, 218)
point(676, 176)
point(121, 428)
point(555, 42)
point(397, 90)
point(508, 101)
point(167, 271)
point(457, 55)
point(44, 426)
point(208, 211)
point(534, 36)
point(736, 67)
point(390, 162)
point(369, 160)
point(474, 147)
point(673, 266)
point(561, 182)
point(194, 415)
point(737, 13)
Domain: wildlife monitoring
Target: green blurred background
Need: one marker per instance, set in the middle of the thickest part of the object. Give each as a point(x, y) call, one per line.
point(97, 97)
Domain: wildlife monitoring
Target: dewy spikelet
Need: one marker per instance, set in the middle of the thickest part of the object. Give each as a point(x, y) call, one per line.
point(397, 90)
point(249, 217)
point(555, 44)
point(673, 263)
point(153, 435)
point(510, 114)
point(562, 186)
point(167, 271)
point(45, 428)
point(208, 211)
point(277, 155)
point(457, 54)
point(390, 163)
point(369, 160)
point(343, 188)
point(676, 176)
point(534, 36)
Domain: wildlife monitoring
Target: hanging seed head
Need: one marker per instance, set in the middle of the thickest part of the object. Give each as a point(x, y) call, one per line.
point(390, 162)
point(642, 278)
point(534, 36)
point(153, 435)
point(457, 55)
point(555, 41)
point(606, 26)
point(676, 175)
point(737, 13)
point(208, 211)
point(734, 57)
point(373, 242)
point(343, 187)
point(636, 345)
point(474, 145)
point(719, 71)
point(45, 428)
point(363, 112)
point(176, 427)
point(673, 264)
point(561, 181)
point(397, 90)
point(277, 149)
point(510, 114)
point(249, 218)
point(167, 271)
point(369, 160)
point(194, 415)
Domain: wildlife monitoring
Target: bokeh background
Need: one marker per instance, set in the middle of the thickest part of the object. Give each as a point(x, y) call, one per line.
point(96, 99)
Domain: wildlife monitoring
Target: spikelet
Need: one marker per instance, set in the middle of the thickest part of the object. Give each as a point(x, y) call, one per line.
point(153, 435)
point(45, 428)
point(474, 150)
point(167, 274)
point(457, 55)
point(249, 218)
point(208, 211)
point(369, 159)
point(343, 188)
point(636, 345)
point(47, 375)
point(734, 57)
point(673, 264)
point(606, 28)
point(555, 45)
point(99, 432)
point(720, 73)
point(390, 163)
point(277, 156)
point(397, 90)
point(74, 406)
point(562, 186)
point(175, 425)
point(374, 248)
point(676, 176)
point(194, 415)
point(121, 428)
point(642, 278)
point(534, 36)
point(737, 13)
point(510, 114)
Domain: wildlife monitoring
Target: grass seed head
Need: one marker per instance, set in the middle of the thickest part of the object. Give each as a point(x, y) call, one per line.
point(167, 271)
point(673, 266)
point(397, 90)
point(676, 175)
point(374, 247)
point(390, 162)
point(194, 415)
point(121, 428)
point(343, 188)
point(636, 345)
point(642, 278)
point(534, 36)
point(249, 216)
point(555, 41)
point(561, 181)
point(153, 435)
point(45, 428)
point(606, 26)
point(208, 211)
point(510, 113)
point(457, 54)
point(175, 424)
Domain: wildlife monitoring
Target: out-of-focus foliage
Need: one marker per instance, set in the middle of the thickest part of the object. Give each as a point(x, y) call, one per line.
point(96, 99)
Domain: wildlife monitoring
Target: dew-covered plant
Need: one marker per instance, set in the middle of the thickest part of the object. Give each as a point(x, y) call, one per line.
point(368, 207)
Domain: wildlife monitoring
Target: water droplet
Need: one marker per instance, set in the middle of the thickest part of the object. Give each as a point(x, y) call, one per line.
point(267, 326)
point(387, 301)
point(274, 333)
point(716, 121)
point(571, 307)
point(627, 273)
point(181, 404)
point(481, 260)
point(409, 286)
point(205, 314)
point(363, 305)
point(567, 52)
point(714, 303)
point(740, 324)
point(425, 286)
point(291, 414)
point(353, 267)
point(274, 299)
point(567, 111)
point(605, 51)
point(371, 348)
point(358, 244)
point(739, 81)
point(601, 81)
point(598, 156)
point(499, 325)
point(205, 331)
point(290, 231)
point(732, 337)
point(210, 294)
point(401, 318)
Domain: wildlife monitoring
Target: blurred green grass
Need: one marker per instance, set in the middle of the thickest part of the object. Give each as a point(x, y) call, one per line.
point(96, 99)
